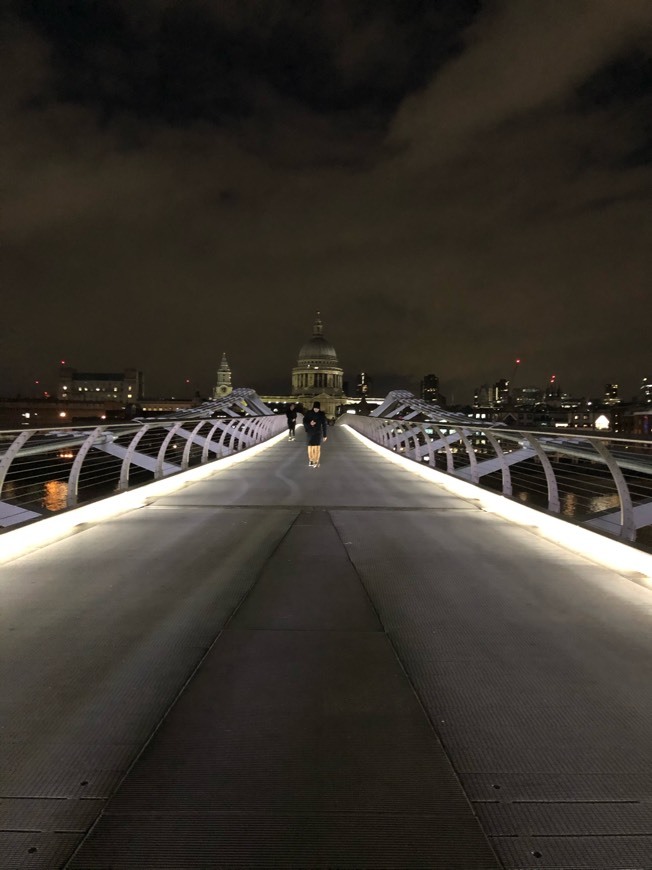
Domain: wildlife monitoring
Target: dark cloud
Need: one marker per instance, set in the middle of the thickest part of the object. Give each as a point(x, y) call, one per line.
point(452, 184)
point(190, 61)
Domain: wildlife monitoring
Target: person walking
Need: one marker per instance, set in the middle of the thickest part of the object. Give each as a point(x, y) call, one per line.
point(291, 414)
point(316, 426)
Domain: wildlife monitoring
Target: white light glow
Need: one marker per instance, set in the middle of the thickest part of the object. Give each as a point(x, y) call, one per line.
point(604, 551)
point(46, 531)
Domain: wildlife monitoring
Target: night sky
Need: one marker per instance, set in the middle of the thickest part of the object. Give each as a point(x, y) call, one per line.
point(453, 183)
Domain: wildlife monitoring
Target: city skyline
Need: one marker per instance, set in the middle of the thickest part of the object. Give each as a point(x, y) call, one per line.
point(454, 185)
point(187, 389)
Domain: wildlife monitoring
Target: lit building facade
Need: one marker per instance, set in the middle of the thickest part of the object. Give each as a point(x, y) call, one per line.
point(124, 387)
point(317, 371)
point(611, 396)
point(317, 376)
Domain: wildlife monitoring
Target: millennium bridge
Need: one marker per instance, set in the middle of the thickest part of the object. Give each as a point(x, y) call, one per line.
point(434, 651)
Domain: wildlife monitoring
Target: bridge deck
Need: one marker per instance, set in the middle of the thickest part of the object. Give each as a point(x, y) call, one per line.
point(341, 667)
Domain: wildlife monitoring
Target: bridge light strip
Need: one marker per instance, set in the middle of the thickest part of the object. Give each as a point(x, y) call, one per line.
point(615, 555)
point(40, 533)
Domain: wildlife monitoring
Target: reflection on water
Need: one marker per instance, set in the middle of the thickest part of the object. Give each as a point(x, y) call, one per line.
point(51, 495)
point(55, 494)
point(595, 504)
point(571, 504)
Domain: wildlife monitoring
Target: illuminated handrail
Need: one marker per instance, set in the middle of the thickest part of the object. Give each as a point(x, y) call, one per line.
point(603, 483)
point(45, 471)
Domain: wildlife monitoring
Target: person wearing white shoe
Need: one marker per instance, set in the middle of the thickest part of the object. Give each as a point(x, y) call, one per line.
point(316, 426)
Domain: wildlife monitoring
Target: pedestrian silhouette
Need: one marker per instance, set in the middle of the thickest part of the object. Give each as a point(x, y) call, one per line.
point(316, 426)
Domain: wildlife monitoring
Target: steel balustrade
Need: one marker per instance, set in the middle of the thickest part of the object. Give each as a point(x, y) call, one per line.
point(48, 470)
point(603, 483)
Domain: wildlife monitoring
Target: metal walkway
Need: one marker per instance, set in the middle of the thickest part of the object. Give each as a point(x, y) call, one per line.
point(334, 668)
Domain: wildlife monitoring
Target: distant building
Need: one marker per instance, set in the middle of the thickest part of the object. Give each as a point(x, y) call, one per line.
point(430, 389)
point(500, 393)
point(640, 423)
point(124, 387)
point(646, 391)
point(224, 384)
point(494, 396)
point(363, 385)
point(611, 396)
point(481, 397)
point(527, 395)
point(317, 376)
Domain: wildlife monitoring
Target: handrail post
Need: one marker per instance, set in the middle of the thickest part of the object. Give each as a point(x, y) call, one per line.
point(450, 464)
point(158, 473)
point(504, 467)
point(75, 471)
point(123, 482)
point(470, 452)
point(11, 453)
point(627, 523)
point(551, 481)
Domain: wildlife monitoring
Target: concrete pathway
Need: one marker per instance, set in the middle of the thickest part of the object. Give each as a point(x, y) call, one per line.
point(339, 667)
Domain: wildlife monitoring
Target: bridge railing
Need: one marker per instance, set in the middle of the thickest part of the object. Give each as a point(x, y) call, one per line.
point(45, 471)
point(604, 483)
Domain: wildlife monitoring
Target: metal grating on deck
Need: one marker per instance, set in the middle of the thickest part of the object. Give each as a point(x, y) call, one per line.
point(403, 667)
point(299, 743)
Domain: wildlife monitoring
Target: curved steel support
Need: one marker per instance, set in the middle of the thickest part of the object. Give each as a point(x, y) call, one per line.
point(412, 443)
point(450, 464)
point(504, 467)
point(238, 434)
point(123, 482)
point(551, 480)
point(470, 452)
point(185, 459)
point(430, 445)
point(158, 473)
point(228, 426)
point(381, 430)
point(75, 471)
point(627, 521)
point(208, 442)
point(11, 452)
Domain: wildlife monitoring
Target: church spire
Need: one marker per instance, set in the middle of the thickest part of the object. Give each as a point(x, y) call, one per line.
point(224, 385)
point(318, 326)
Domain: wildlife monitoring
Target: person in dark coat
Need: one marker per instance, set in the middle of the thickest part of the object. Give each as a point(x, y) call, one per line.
point(291, 414)
point(316, 426)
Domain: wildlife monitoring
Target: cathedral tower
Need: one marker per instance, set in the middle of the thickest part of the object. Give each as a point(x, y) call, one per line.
point(224, 385)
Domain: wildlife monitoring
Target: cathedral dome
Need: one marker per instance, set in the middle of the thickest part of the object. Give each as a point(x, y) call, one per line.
point(318, 348)
point(317, 372)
